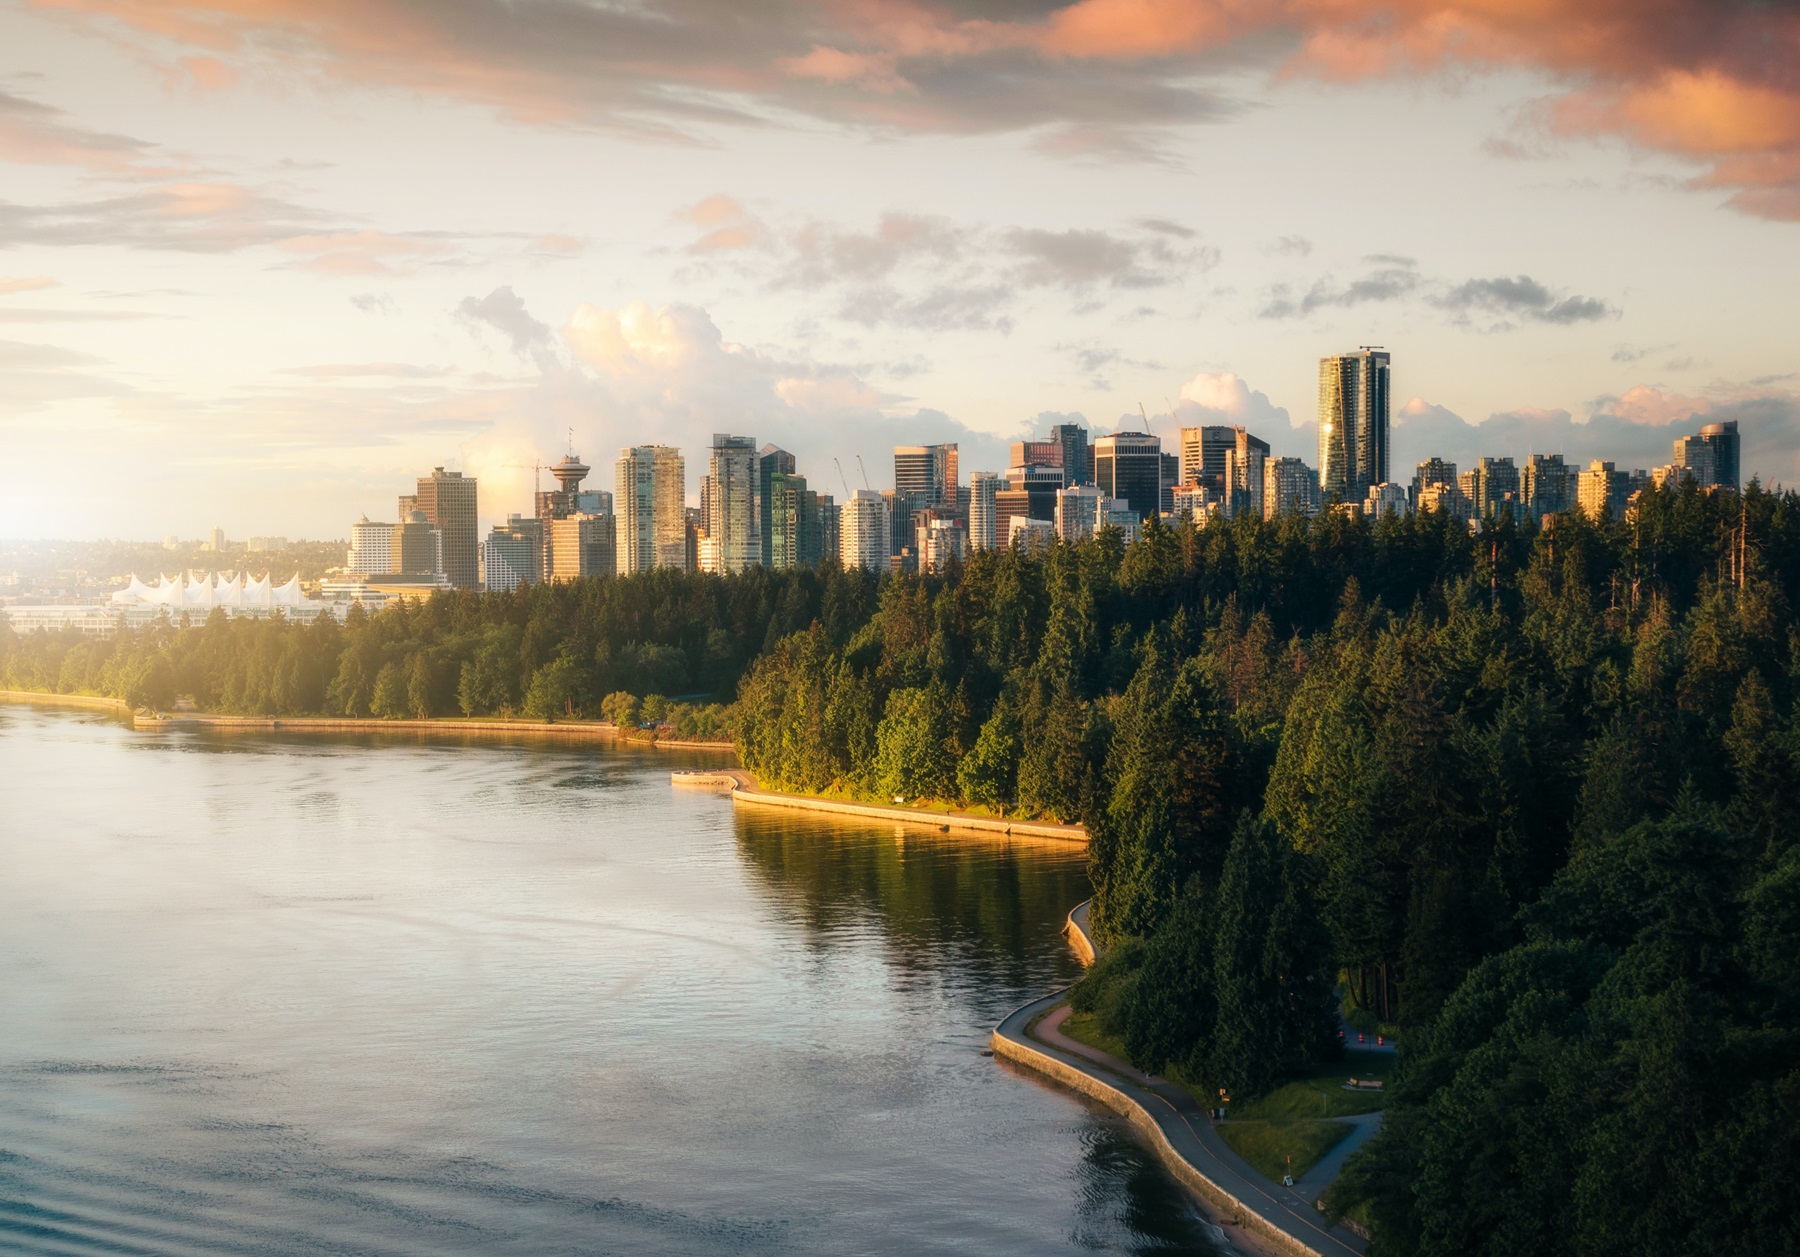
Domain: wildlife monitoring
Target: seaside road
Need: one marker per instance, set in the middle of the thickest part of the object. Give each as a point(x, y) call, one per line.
point(1187, 1131)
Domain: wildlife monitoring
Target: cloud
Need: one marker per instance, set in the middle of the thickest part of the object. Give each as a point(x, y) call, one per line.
point(1223, 397)
point(1293, 246)
point(1706, 81)
point(190, 217)
point(504, 311)
point(25, 283)
point(364, 252)
point(376, 370)
point(1521, 296)
point(374, 302)
point(34, 375)
point(1634, 430)
point(39, 134)
point(1390, 282)
point(932, 272)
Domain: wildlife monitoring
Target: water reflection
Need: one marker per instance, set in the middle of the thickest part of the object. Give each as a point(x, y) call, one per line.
point(377, 995)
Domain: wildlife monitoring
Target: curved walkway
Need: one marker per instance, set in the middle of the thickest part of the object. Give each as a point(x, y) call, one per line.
point(1177, 1128)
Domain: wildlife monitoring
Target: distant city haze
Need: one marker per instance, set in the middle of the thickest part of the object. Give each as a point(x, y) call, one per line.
point(262, 267)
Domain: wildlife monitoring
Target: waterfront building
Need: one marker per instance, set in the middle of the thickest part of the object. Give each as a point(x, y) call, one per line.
point(513, 553)
point(1711, 457)
point(1353, 423)
point(983, 485)
point(864, 531)
point(1432, 471)
point(925, 475)
point(171, 600)
point(371, 547)
point(1129, 465)
point(1077, 457)
point(1547, 486)
point(651, 509)
point(1289, 485)
point(447, 499)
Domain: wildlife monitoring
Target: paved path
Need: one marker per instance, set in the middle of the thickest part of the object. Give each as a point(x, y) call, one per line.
point(1312, 1184)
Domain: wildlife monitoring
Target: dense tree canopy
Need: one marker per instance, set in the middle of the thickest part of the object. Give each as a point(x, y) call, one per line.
point(1526, 796)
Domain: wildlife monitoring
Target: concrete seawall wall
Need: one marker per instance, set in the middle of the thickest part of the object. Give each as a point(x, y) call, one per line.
point(1012, 1047)
point(907, 816)
point(88, 702)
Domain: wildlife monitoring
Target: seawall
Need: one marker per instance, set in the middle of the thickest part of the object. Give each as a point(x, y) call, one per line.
point(568, 731)
point(90, 702)
point(910, 816)
point(1200, 1161)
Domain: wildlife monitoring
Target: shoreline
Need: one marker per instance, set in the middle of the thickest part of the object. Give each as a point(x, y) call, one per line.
point(1168, 1127)
point(482, 727)
point(745, 792)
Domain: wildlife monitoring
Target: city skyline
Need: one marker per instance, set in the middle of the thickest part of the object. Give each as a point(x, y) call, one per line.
point(272, 249)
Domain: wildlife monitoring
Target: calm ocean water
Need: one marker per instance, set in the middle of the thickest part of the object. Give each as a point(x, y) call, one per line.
point(372, 996)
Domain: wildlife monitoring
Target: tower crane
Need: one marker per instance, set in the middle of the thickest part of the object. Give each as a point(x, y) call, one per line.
point(863, 470)
point(841, 476)
point(537, 471)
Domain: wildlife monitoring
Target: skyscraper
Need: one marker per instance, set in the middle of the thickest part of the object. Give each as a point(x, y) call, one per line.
point(983, 485)
point(371, 548)
point(581, 545)
point(863, 531)
point(1548, 486)
point(515, 553)
point(418, 548)
point(1289, 485)
point(1129, 465)
point(729, 506)
point(1203, 454)
point(1711, 456)
point(926, 474)
point(448, 500)
point(651, 509)
point(1077, 456)
point(1353, 423)
point(1494, 487)
point(772, 460)
point(1431, 471)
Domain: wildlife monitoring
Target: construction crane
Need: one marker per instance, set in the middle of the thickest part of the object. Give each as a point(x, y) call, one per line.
point(841, 476)
point(1146, 416)
point(537, 471)
point(864, 470)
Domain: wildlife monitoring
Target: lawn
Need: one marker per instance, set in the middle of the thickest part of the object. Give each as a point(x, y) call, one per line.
point(1321, 1094)
point(1082, 1028)
point(1278, 1148)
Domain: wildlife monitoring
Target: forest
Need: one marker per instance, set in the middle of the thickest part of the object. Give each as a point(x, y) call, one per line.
point(1524, 797)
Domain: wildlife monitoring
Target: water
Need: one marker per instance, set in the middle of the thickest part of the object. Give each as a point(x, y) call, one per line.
point(371, 996)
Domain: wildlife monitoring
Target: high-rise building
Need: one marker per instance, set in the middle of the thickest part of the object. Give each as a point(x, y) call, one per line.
point(729, 506)
point(582, 545)
point(1289, 485)
point(1032, 536)
point(215, 541)
point(1353, 423)
point(770, 461)
point(1601, 489)
point(1493, 487)
point(448, 500)
point(1443, 495)
point(983, 485)
point(1129, 465)
point(800, 523)
point(1077, 456)
point(1711, 456)
point(1040, 484)
point(1241, 482)
point(1385, 497)
point(513, 553)
point(560, 501)
point(650, 507)
point(1547, 486)
point(1203, 451)
point(1431, 471)
point(864, 531)
point(943, 539)
point(371, 548)
point(1037, 454)
point(418, 547)
point(926, 474)
point(1196, 500)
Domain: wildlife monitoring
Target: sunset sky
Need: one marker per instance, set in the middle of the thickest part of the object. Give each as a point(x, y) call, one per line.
point(263, 262)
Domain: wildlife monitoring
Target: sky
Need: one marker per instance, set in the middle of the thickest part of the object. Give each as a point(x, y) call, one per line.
point(265, 262)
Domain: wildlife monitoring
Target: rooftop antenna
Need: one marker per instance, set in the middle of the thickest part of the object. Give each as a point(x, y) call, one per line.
point(841, 476)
